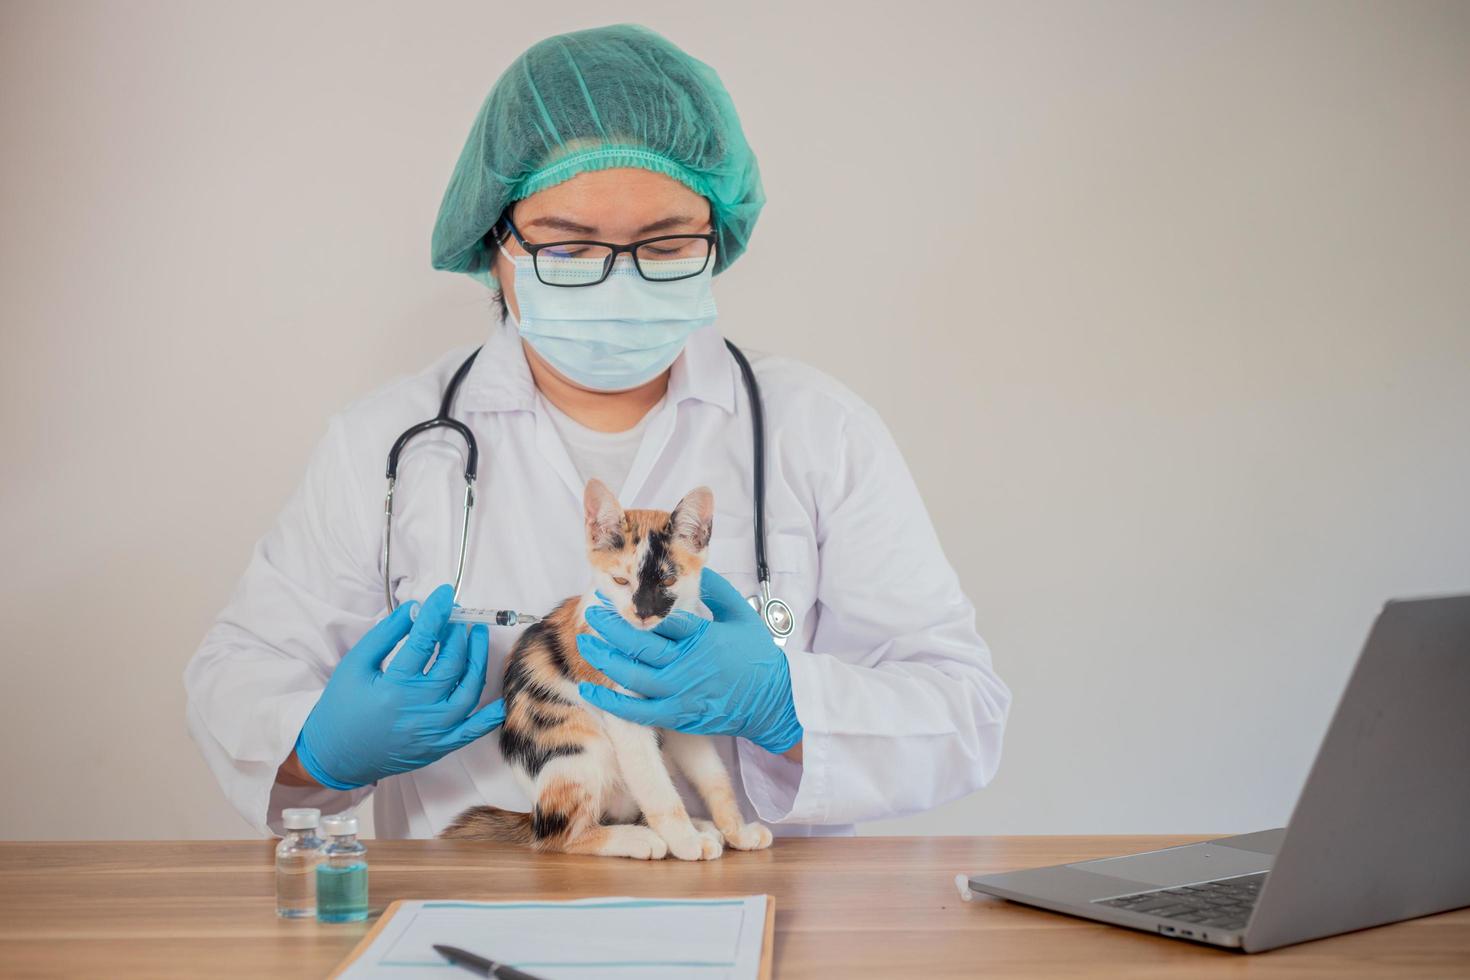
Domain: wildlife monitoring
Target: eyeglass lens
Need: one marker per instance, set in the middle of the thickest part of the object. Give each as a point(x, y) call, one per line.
point(578, 264)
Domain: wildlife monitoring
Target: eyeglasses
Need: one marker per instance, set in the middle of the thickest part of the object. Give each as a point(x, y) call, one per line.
point(667, 258)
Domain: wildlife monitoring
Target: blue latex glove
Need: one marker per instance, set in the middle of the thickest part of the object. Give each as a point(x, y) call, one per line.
point(371, 723)
point(720, 677)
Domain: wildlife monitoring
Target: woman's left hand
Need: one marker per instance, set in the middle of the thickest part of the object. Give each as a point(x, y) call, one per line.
point(724, 676)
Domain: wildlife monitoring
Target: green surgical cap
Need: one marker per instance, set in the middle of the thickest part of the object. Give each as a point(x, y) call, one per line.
point(618, 96)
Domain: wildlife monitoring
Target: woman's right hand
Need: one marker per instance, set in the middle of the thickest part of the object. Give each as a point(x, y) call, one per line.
point(372, 722)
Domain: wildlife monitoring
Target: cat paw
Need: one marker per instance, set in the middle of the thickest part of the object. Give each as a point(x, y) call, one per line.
point(652, 848)
point(698, 845)
point(712, 843)
point(751, 837)
point(638, 843)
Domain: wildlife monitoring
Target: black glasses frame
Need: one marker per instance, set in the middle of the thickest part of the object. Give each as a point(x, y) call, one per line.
point(615, 250)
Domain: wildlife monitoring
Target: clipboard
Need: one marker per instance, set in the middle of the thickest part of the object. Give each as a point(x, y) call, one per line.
point(767, 955)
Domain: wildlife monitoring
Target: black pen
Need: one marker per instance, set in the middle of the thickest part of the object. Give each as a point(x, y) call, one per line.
point(482, 966)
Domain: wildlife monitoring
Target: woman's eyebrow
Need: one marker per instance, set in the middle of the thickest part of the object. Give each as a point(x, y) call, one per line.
point(663, 224)
point(576, 227)
point(560, 224)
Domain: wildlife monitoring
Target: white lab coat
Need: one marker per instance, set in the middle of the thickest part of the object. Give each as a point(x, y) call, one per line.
point(893, 686)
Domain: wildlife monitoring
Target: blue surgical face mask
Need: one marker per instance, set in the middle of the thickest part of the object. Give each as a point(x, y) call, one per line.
point(621, 333)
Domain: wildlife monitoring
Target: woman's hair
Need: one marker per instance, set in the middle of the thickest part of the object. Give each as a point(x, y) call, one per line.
point(492, 241)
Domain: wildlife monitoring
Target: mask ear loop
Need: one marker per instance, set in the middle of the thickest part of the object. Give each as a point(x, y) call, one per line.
point(500, 231)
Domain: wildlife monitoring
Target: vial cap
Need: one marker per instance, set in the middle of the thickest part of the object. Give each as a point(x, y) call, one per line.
point(339, 824)
point(300, 818)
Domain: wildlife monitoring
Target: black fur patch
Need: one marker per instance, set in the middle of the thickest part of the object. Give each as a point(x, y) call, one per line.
point(650, 598)
point(527, 750)
point(544, 824)
point(539, 719)
point(540, 692)
point(551, 639)
point(519, 680)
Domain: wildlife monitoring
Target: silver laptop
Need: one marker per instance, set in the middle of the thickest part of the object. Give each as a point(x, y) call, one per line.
point(1380, 833)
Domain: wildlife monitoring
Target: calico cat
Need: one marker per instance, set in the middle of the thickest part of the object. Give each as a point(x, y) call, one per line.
point(602, 784)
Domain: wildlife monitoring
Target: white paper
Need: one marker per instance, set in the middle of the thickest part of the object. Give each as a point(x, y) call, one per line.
point(703, 939)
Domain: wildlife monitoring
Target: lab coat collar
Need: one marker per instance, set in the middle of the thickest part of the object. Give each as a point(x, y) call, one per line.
point(501, 381)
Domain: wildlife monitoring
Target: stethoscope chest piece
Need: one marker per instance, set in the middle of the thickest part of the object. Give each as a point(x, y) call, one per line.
point(775, 613)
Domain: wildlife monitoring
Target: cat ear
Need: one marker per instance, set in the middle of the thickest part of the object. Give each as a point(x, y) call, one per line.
point(604, 516)
point(694, 519)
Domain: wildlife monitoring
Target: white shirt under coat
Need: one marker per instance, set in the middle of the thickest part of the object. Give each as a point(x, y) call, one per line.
point(901, 708)
point(605, 456)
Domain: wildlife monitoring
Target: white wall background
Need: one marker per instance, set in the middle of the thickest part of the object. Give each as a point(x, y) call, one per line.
point(1169, 304)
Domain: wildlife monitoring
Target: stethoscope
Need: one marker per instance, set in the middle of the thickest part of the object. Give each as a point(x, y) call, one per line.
point(774, 612)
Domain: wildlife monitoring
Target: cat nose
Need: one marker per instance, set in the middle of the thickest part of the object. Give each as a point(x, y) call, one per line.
point(638, 619)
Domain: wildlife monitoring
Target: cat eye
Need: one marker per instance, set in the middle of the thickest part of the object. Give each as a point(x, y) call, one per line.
point(620, 581)
point(668, 582)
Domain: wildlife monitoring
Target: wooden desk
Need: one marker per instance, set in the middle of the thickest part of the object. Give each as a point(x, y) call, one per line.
point(863, 907)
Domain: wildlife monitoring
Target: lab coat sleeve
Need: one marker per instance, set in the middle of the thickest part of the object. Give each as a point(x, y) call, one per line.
point(896, 694)
point(309, 592)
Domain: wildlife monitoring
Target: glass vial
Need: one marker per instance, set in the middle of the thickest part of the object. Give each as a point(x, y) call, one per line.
point(342, 873)
point(296, 859)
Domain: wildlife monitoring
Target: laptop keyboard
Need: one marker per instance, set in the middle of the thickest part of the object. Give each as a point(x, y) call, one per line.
point(1223, 904)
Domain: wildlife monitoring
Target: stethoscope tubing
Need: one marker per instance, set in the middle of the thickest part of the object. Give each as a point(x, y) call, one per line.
point(774, 612)
point(471, 472)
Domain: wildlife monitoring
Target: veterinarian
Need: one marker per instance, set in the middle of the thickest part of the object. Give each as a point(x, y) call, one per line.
point(882, 702)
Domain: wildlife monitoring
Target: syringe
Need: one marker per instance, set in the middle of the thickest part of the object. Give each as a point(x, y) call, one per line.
point(490, 617)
